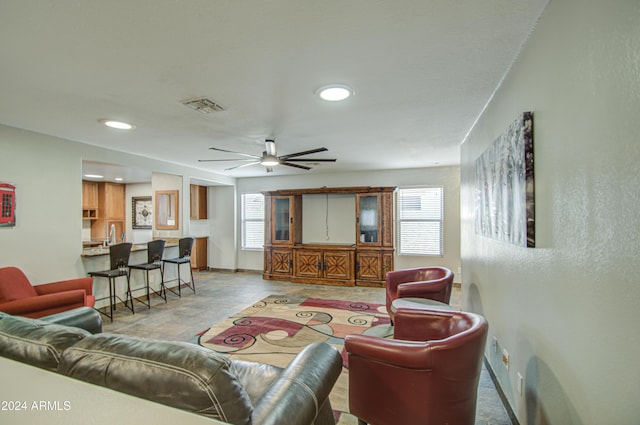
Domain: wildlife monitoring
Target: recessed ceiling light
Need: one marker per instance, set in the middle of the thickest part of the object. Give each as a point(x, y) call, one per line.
point(117, 124)
point(334, 92)
point(118, 179)
point(93, 176)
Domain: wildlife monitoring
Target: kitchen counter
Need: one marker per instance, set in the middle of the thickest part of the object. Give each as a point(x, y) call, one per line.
point(97, 251)
point(91, 244)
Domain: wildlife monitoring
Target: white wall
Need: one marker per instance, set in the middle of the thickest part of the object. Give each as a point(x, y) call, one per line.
point(327, 218)
point(46, 241)
point(447, 177)
point(567, 311)
point(222, 216)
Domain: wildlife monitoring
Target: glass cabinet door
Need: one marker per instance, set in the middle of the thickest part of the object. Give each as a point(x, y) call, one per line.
point(281, 220)
point(368, 219)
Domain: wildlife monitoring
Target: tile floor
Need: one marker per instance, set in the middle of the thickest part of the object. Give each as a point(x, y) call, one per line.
point(220, 294)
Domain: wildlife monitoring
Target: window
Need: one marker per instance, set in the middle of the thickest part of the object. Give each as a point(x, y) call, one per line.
point(252, 221)
point(420, 221)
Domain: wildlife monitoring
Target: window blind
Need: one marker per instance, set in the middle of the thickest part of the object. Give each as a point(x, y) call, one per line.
point(420, 220)
point(252, 220)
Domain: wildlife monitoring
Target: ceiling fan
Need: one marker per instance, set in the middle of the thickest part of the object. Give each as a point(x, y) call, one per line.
point(270, 159)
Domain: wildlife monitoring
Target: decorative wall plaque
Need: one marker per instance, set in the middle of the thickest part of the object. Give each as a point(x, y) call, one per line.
point(142, 212)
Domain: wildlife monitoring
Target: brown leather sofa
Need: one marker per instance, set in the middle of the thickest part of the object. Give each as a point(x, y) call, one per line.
point(427, 374)
point(19, 297)
point(433, 283)
point(181, 375)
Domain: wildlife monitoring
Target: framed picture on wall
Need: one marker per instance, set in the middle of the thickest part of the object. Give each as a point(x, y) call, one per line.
point(505, 200)
point(142, 212)
point(7, 205)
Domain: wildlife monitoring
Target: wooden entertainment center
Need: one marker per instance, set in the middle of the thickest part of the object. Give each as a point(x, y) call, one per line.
point(363, 263)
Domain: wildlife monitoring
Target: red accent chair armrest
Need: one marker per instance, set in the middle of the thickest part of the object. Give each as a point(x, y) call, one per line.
point(45, 305)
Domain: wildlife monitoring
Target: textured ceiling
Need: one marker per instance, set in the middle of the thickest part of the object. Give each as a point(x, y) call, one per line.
point(422, 71)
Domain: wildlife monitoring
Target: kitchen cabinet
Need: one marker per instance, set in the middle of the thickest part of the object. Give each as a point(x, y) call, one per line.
point(198, 204)
point(89, 200)
point(111, 211)
point(200, 254)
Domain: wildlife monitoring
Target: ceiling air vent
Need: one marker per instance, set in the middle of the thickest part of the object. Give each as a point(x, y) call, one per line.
point(202, 105)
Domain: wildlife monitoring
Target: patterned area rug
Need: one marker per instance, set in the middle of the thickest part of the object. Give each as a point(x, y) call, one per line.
point(276, 328)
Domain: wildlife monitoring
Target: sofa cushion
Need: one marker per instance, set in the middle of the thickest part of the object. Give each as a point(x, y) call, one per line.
point(181, 375)
point(36, 342)
point(255, 377)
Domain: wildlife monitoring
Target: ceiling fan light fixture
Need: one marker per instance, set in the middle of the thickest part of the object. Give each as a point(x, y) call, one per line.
point(119, 125)
point(269, 161)
point(334, 92)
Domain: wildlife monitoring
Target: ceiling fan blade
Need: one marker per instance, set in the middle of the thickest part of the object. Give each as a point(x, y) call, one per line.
point(295, 165)
point(224, 160)
point(311, 160)
point(240, 166)
point(291, 155)
point(237, 153)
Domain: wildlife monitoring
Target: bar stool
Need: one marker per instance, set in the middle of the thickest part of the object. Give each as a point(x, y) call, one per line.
point(155, 249)
point(184, 251)
point(119, 262)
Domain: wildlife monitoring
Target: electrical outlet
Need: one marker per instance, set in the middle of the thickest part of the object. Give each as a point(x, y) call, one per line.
point(520, 384)
point(494, 343)
point(505, 358)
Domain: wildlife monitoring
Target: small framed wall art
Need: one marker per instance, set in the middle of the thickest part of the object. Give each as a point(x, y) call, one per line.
point(142, 212)
point(7, 205)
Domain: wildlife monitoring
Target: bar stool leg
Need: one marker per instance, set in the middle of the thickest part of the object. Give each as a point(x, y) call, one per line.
point(163, 290)
point(148, 296)
point(179, 282)
point(111, 300)
point(193, 282)
point(129, 296)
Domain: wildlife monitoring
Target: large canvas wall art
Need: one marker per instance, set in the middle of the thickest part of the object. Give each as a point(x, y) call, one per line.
point(504, 201)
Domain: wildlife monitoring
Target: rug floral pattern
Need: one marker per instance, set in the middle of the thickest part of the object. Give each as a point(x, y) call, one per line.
point(275, 329)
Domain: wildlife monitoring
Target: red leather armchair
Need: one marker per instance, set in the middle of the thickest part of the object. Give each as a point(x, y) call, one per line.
point(433, 283)
point(427, 374)
point(20, 298)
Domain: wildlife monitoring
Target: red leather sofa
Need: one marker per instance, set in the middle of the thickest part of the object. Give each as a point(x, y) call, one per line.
point(20, 298)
